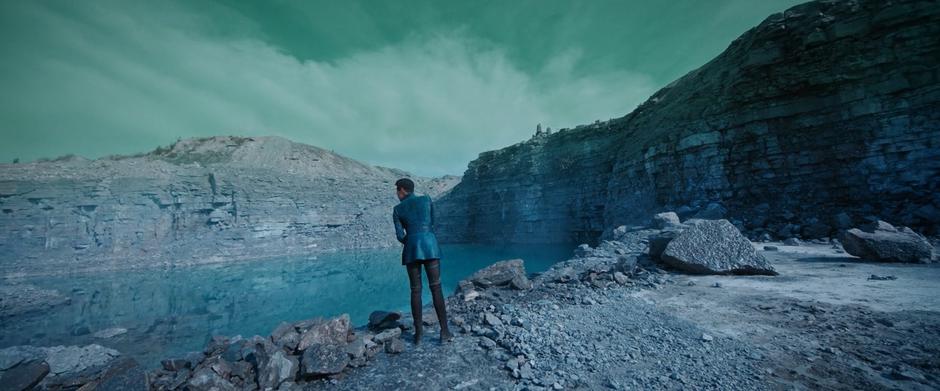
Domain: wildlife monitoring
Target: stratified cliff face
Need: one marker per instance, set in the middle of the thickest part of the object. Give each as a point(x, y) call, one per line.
point(197, 200)
point(819, 117)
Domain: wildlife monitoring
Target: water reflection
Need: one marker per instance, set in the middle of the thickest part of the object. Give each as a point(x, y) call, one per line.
point(169, 312)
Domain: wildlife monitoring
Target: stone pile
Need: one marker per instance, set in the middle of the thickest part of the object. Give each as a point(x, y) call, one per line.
point(293, 354)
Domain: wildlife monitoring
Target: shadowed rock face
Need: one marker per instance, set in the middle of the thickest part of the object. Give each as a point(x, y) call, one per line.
point(816, 118)
point(216, 198)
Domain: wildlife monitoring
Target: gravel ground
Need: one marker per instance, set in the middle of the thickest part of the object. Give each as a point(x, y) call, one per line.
point(809, 328)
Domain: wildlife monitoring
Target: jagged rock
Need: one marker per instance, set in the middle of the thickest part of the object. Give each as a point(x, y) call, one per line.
point(503, 273)
point(24, 376)
point(714, 247)
point(323, 359)
point(620, 278)
point(381, 320)
point(330, 331)
point(626, 264)
point(491, 320)
point(280, 330)
point(394, 346)
point(124, 375)
point(279, 368)
point(666, 220)
point(205, 379)
point(387, 335)
point(884, 242)
point(356, 348)
point(583, 250)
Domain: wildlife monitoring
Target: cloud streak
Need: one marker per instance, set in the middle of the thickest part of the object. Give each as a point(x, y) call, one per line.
point(121, 79)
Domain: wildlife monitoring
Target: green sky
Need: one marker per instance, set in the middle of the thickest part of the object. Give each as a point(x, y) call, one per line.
point(419, 85)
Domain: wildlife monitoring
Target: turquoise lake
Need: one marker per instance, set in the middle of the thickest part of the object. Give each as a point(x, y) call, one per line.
point(168, 312)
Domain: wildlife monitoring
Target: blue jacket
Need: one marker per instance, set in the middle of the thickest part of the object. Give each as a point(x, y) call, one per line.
point(414, 227)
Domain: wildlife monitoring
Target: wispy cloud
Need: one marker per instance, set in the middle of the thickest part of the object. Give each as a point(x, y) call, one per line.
point(100, 80)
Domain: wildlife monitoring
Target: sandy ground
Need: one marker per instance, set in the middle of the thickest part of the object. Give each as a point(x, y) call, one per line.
point(823, 323)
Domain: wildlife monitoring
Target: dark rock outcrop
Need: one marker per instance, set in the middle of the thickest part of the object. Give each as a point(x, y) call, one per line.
point(827, 111)
point(714, 247)
point(381, 320)
point(198, 200)
point(884, 242)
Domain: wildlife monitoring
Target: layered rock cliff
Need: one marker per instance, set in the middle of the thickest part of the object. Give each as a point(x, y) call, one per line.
point(194, 201)
point(819, 117)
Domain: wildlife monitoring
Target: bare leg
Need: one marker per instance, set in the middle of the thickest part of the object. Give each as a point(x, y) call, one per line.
point(414, 279)
point(433, 268)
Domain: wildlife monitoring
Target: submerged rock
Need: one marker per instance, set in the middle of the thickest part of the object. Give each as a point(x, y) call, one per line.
point(883, 242)
point(714, 247)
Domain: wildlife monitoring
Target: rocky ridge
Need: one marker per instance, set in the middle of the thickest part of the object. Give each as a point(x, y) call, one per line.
point(197, 200)
point(814, 121)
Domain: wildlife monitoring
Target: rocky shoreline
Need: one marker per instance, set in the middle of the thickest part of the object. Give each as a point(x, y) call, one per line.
point(582, 324)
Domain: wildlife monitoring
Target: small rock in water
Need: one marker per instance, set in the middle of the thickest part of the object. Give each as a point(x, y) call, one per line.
point(707, 338)
point(716, 285)
point(875, 277)
point(770, 248)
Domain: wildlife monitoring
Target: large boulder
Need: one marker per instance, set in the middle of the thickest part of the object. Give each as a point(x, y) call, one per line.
point(883, 242)
point(324, 347)
point(714, 247)
point(278, 368)
point(503, 273)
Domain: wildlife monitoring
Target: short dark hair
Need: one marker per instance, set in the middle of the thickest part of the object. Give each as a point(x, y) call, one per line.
point(405, 183)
